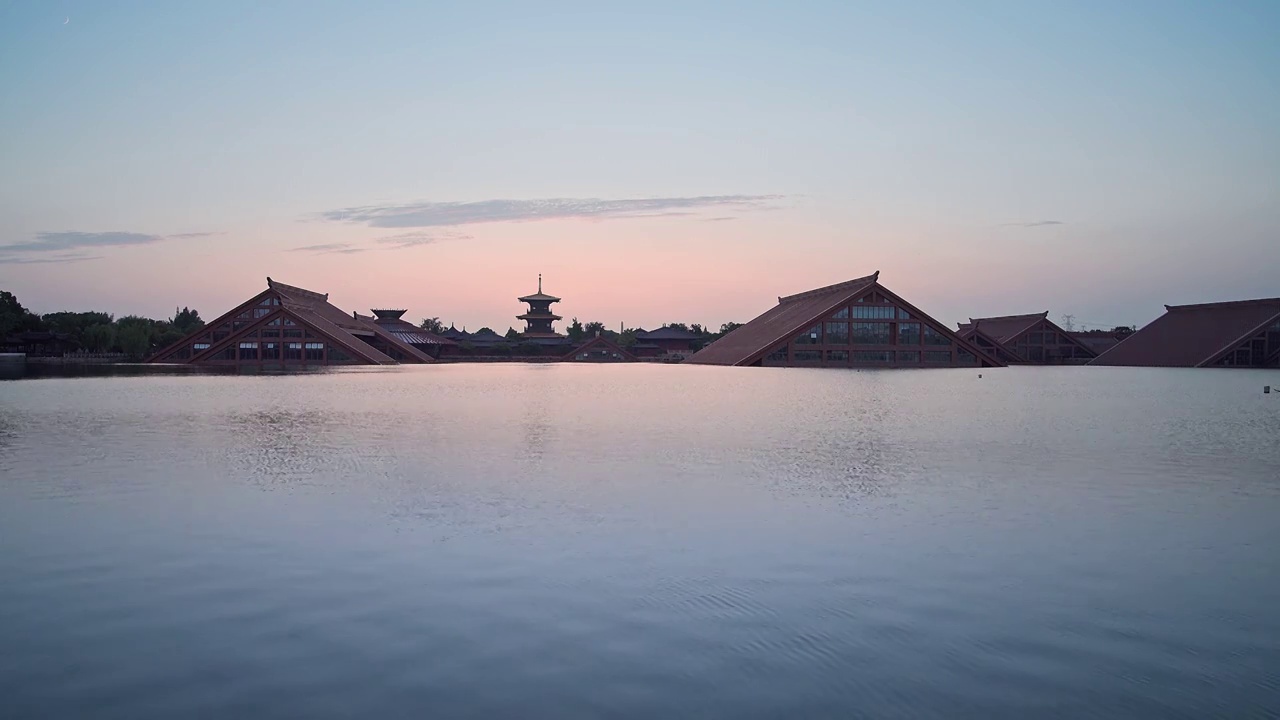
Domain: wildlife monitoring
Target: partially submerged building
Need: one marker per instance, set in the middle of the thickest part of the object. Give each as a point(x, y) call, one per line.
point(858, 323)
point(288, 326)
point(1244, 333)
point(428, 342)
point(599, 349)
point(1032, 339)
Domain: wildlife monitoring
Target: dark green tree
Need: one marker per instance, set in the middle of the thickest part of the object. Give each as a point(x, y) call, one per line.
point(185, 321)
point(512, 334)
point(99, 338)
point(432, 325)
point(677, 326)
point(592, 329)
point(575, 331)
point(134, 340)
point(729, 327)
point(15, 318)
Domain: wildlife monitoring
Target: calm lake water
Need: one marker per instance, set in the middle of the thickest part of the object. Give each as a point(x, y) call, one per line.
point(642, 542)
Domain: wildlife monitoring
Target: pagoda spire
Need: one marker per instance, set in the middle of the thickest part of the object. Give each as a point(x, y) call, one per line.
point(539, 282)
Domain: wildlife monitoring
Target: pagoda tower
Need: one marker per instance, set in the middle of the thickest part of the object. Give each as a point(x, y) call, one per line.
point(539, 317)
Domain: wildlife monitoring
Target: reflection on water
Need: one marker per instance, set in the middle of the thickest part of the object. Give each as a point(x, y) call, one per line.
point(641, 541)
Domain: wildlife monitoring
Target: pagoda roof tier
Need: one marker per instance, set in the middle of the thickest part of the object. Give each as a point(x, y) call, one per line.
point(539, 297)
point(538, 316)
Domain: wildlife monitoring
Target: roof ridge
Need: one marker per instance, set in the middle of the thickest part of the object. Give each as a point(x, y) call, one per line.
point(846, 285)
point(1225, 303)
point(311, 294)
point(1044, 314)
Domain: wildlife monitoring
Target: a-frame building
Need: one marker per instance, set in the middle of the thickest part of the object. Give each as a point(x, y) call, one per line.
point(287, 326)
point(1244, 333)
point(599, 349)
point(1027, 339)
point(858, 323)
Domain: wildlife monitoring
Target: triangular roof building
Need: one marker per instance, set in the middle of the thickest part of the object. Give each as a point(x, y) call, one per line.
point(858, 323)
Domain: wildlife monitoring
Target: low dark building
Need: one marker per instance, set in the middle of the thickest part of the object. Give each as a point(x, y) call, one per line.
point(599, 349)
point(39, 343)
point(1100, 341)
point(669, 340)
point(1244, 333)
point(858, 323)
point(287, 326)
point(1031, 339)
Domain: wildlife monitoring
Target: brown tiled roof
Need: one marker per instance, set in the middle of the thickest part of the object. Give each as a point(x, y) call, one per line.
point(1193, 335)
point(406, 331)
point(314, 308)
point(1005, 328)
point(777, 324)
point(794, 313)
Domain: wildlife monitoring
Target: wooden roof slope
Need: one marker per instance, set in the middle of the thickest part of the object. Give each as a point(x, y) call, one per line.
point(310, 308)
point(315, 308)
point(1193, 335)
point(794, 313)
point(1006, 329)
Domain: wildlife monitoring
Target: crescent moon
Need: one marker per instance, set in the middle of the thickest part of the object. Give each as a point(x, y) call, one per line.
point(64, 22)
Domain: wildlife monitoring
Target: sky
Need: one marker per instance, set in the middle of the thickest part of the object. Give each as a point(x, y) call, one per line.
point(656, 162)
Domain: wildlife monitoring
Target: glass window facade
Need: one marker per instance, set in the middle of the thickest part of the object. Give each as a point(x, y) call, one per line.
point(875, 312)
point(873, 357)
point(865, 333)
point(909, 333)
point(903, 314)
point(838, 356)
point(315, 351)
point(200, 347)
point(937, 356)
point(292, 333)
point(270, 351)
point(261, 312)
point(293, 351)
point(806, 356)
point(841, 314)
point(911, 357)
point(779, 355)
point(933, 337)
point(837, 333)
point(812, 336)
point(964, 357)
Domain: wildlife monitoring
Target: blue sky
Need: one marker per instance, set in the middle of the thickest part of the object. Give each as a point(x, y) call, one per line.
point(691, 161)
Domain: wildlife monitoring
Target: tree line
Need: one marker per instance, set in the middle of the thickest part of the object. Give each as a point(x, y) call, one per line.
point(626, 337)
point(133, 336)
